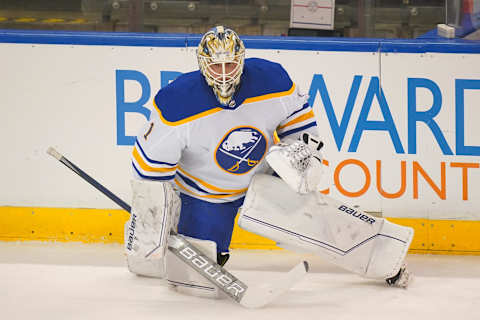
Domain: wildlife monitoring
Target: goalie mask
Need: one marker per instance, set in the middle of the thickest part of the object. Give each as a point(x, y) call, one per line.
point(220, 55)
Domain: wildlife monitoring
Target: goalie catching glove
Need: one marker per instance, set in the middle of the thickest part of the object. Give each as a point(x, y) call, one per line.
point(298, 163)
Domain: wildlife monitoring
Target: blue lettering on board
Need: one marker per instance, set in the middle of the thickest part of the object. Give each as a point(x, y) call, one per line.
point(168, 76)
point(121, 76)
point(338, 129)
point(136, 106)
point(363, 124)
point(460, 86)
point(426, 117)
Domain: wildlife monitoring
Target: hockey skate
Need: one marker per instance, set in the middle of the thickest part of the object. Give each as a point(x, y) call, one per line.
point(402, 279)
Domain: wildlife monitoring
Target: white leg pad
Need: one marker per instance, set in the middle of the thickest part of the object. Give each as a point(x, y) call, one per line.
point(389, 250)
point(369, 246)
point(186, 280)
point(153, 214)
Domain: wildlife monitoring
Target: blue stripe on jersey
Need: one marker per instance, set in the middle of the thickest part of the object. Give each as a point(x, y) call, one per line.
point(151, 160)
point(189, 94)
point(289, 132)
point(192, 184)
point(150, 177)
point(306, 105)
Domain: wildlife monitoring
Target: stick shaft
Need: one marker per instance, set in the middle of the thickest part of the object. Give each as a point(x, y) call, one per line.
point(94, 183)
point(188, 253)
point(233, 287)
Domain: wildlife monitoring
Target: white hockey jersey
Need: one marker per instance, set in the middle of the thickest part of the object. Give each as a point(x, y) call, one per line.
point(210, 151)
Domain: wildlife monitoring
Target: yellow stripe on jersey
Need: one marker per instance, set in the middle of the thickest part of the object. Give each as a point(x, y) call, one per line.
point(271, 95)
point(145, 166)
point(301, 118)
point(188, 119)
point(215, 110)
point(209, 186)
point(218, 196)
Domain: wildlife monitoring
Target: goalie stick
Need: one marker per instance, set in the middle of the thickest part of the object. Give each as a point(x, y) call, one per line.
point(247, 296)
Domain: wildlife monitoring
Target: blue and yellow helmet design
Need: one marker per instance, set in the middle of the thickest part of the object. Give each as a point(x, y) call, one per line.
point(221, 56)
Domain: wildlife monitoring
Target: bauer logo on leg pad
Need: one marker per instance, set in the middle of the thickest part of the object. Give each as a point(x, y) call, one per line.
point(131, 232)
point(356, 214)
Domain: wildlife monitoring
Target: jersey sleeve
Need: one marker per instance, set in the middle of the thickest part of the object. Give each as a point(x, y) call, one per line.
point(300, 117)
point(157, 149)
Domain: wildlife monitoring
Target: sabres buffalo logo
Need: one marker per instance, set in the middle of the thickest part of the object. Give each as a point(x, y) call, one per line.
point(241, 149)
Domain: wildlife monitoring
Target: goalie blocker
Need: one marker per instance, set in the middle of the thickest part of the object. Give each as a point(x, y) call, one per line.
point(314, 223)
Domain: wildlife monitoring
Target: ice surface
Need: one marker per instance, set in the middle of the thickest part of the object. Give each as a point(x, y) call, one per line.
point(45, 280)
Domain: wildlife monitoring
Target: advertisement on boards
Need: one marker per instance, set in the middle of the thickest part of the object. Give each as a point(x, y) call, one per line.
point(399, 129)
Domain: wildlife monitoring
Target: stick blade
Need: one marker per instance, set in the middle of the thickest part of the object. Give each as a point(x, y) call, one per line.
point(257, 297)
